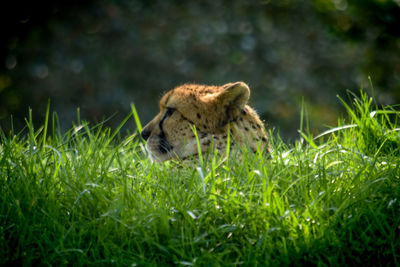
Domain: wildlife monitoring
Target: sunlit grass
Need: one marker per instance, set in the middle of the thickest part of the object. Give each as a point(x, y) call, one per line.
point(92, 197)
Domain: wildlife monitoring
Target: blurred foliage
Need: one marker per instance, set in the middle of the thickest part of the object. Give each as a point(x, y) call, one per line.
point(376, 25)
point(102, 55)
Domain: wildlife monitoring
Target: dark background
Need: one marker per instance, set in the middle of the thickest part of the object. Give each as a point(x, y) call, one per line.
point(102, 55)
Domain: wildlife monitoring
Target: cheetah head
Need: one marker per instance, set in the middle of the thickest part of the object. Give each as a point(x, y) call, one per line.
point(209, 108)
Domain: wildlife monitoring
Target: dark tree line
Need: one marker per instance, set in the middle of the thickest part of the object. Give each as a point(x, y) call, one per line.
point(102, 55)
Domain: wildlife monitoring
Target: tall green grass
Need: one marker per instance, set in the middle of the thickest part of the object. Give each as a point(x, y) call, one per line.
point(92, 197)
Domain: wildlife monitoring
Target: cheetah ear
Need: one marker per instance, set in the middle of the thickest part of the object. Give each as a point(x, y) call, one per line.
point(234, 96)
point(230, 101)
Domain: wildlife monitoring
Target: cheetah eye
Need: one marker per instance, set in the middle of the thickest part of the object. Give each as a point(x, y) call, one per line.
point(169, 112)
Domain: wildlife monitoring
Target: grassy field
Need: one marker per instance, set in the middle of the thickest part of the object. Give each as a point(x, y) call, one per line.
point(92, 197)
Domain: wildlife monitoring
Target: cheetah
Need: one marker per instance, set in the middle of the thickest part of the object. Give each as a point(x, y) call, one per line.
point(215, 111)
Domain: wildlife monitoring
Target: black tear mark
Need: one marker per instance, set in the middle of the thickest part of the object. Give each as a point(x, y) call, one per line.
point(164, 147)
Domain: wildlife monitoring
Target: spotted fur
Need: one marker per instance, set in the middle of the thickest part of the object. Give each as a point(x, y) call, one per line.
point(213, 110)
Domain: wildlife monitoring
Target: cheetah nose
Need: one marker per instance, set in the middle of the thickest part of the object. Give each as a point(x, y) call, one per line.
point(145, 134)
